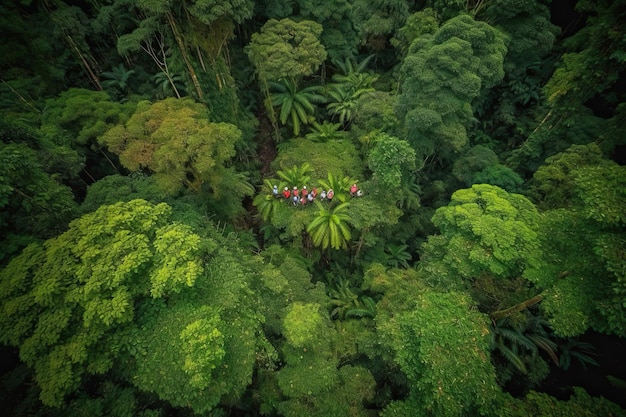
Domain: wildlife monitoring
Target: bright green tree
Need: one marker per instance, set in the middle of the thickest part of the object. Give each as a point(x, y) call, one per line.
point(112, 296)
point(582, 269)
point(445, 356)
point(331, 227)
point(484, 230)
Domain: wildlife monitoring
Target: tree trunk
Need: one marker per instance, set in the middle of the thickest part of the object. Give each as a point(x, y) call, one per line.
point(183, 51)
point(500, 314)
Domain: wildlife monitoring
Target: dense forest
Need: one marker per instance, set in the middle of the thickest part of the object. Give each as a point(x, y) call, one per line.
point(313, 208)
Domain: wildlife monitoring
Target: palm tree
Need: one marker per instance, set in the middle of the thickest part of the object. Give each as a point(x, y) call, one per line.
point(167, 84)
point(330, 227)
point(515, 339)
point(296, 176)
point(347, 86)
point(325, 132)
point(117, 79)
point(398, 256)
point(265, 202)
point(297, 106)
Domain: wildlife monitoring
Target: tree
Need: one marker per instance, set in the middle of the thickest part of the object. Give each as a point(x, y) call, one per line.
point(347, 87)
point(330, 227)
point(118, 80)
point(439, 342)
point(444, 355)
point(84, 115)
point(35, 201)
point(581, 270)
point(175, 139)
point(440, 77)
point(325, 132)
point(297, 106)
point(484, 230)
point(390, 159)
point(111, 298)
point(286, 49)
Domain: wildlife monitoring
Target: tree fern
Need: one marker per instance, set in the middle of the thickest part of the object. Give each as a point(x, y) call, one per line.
point(296, 176)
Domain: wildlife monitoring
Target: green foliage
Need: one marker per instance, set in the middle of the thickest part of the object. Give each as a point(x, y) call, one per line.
point(552, 184)
point(583, 352)
point(65, 301)
point(578, 404)
point(116, 188)
point(337, 157)
point(440, 77)
point(85, 115)
point(297, 106)
point(286, 49)
point(330, 227)
point(175, 140)
point(208, 11)
point(380, 17)
point(33, 201)
point(193, 357)
point(346, 89)
point(346, 302)
point(303, 324)
point(325, 132)
point(374, 112)
point(484, 230)
point(423, 22)
point(594, 59)
point(297, 176)
point(442, 348)
point(473, 160)
point(389, 159)
point(340, 36)
point(398, 256)
point(519, 339)
point(118, 80)
point(500, 176)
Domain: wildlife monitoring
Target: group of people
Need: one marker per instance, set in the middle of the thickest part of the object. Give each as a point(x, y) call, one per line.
point(305, 196)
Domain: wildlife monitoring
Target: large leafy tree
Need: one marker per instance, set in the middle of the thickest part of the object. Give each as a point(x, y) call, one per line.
point(439, 342)
point(484, 230)
point(175, 139)
point(582, 270)
point(112, 295)
point(390, 158)
point(440, 77)
point(286, 49)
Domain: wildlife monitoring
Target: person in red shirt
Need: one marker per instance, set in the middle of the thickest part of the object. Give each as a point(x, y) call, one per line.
point(304, 192)
point(353, 190)
point(295, 192)
point(286, 193)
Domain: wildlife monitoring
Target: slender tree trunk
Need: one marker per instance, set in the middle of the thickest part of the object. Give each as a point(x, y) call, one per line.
point(500, 314)
point(183, 51)
point(90, 72)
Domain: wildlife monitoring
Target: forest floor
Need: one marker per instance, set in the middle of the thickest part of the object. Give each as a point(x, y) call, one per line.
point(266, 150)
